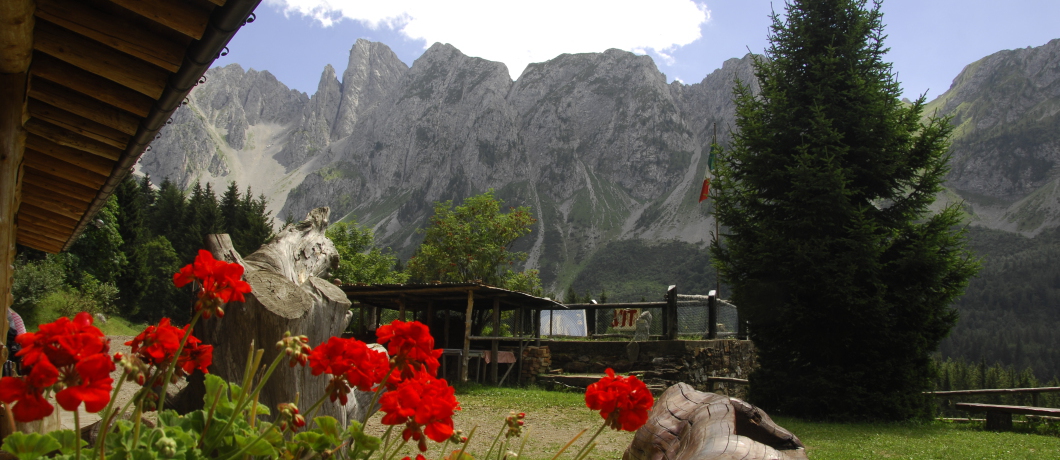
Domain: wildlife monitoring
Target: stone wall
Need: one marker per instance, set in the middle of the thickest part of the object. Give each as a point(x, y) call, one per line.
point(662, 363)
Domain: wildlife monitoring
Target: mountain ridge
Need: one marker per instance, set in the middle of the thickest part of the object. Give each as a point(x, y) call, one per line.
point(597, 144)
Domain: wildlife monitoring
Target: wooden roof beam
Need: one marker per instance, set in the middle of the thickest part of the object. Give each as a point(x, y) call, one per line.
point(64, 186)
point(41, 234)
point(90, 84)
point(51, 166)
point(62, 136)
point(79, 158)
point(57, 203)
point(33, 240)
point(128, 37)
point(30, 212)
point(76, 203)
point(183, 17)
point(100, 59)
point(79, 125)
point(81, 105)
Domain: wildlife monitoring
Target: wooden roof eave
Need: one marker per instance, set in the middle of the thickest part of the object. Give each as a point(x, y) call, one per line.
point(224, 22)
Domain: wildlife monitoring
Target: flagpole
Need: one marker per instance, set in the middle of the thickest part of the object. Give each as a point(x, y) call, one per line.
point(717, 234)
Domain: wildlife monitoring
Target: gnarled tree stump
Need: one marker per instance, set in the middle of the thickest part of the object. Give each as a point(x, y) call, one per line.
point(288, 294)
point(686, 424)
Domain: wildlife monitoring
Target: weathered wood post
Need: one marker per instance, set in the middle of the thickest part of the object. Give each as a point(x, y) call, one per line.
point(670, 314)
point(465, 356)
point(712, 315)
point(289, 294)
point(590, 321)
point(495, 343)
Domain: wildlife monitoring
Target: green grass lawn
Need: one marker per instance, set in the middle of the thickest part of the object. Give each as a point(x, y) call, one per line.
point(909, 440)
point(932, 440)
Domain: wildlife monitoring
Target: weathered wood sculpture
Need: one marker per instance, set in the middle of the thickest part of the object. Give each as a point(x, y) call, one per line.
point(686, 424)
point(289, 294)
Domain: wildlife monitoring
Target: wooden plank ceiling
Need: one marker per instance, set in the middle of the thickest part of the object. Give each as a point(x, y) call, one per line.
point(105, 76)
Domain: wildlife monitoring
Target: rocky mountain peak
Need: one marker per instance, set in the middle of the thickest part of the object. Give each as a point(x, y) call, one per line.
point(1003, 107)
point(372, 72)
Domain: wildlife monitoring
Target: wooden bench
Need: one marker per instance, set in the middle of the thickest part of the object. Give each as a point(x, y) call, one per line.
point(999, 417)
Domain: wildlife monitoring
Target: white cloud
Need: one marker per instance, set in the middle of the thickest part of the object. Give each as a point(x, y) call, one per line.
point(518, 33)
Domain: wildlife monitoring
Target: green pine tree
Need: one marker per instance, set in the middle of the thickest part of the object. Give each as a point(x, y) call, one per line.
point(832, 252)
point(256, 223)
point(132, 225)
point(572, 296)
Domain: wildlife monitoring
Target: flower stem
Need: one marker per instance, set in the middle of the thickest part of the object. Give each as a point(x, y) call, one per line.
point(526, 435)
point(107, 415)
point(311, 412)
point(395, 450)
point(251, 443)
point(209, 415)
point(77, 432)
point(375, 398)
point(137, 416)
point(243, 401)
point(575, 438)
point(495, 439)
point(460, 456)
point(589, 444)
point(173, 365)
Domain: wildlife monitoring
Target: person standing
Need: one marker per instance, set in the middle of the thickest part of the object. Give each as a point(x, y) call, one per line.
point(15, 327)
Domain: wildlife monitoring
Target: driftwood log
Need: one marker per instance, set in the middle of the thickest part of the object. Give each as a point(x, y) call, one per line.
point(686, 424)
point(289, 293)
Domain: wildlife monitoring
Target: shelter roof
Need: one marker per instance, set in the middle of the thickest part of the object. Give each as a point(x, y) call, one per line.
point(97, 80)
point(445, 296)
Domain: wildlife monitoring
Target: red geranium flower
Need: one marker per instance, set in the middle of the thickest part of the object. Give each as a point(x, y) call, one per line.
point(63, 342)
point(27, 392)
point(622, 401)
point(72, 354)
point(221, 283)
point(92, 384)
point(351, 363)
point(411, 346)
point(156, 345)
point(425, 404)
point(195, 355)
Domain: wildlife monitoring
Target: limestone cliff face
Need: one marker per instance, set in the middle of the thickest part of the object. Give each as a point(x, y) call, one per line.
point(216, 119)
point(1006, 145)
point(598, 144)
point(1006, 108)
point(371, 74)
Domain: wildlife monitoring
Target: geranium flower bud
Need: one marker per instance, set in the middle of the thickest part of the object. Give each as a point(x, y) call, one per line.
point(167, 447)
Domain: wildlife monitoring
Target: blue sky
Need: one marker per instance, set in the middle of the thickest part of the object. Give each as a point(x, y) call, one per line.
point(930, 40)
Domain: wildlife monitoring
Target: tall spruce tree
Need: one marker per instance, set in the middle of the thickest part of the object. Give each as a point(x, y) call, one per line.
point(833, 254)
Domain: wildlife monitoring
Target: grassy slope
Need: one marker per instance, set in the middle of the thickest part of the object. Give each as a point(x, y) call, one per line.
point(554, 417)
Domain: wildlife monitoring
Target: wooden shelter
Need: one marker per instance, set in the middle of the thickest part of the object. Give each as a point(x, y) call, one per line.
point(85, 86)
point(466, 300)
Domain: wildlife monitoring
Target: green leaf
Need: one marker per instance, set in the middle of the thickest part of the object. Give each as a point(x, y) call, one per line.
point(330, 427)
point(67, 440)
point(260, 447)
point(215, 386)
point(29, 446)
